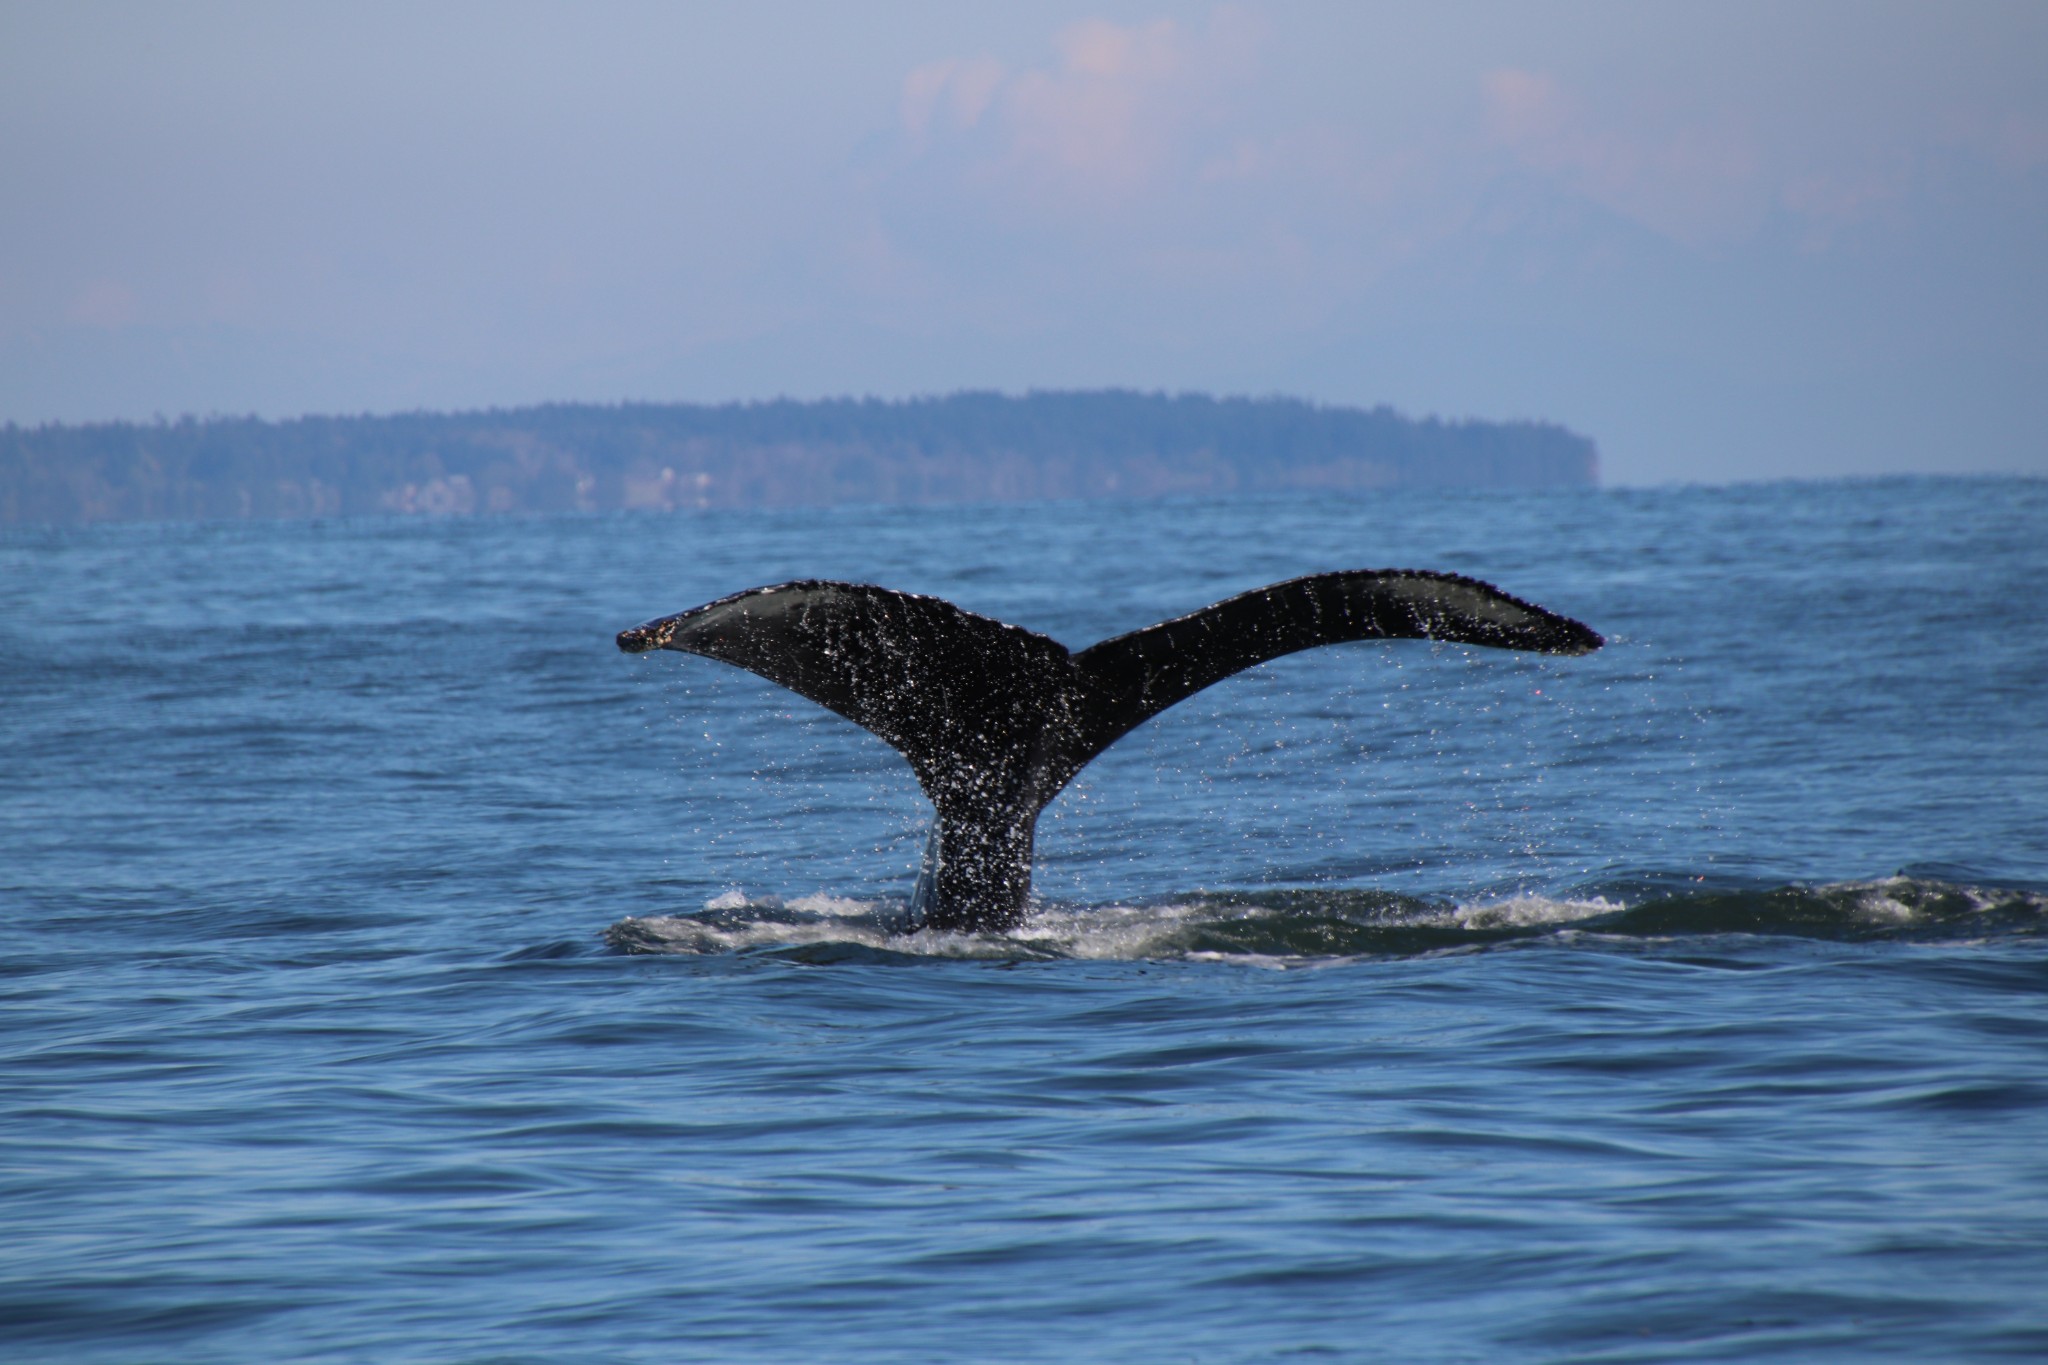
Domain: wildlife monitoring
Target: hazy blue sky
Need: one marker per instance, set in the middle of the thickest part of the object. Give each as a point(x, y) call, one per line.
point(1727, 240)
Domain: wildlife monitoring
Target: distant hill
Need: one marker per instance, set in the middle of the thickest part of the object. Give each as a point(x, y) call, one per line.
point(583, 457)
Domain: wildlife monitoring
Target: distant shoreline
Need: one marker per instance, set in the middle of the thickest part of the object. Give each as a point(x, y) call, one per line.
point(962, 447)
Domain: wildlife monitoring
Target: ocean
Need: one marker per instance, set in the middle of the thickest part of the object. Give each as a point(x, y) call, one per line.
point(391, 970)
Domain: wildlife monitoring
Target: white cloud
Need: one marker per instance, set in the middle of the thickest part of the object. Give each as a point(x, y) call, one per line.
point(1119, 114)
point(1698, 183)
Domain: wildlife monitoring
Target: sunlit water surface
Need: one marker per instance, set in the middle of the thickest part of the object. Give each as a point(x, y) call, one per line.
point(391, 970)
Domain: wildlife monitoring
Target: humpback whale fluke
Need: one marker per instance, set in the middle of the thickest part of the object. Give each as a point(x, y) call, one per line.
point(996, 719)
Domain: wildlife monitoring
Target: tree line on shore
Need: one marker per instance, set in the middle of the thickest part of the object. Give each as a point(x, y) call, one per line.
point(589, 457)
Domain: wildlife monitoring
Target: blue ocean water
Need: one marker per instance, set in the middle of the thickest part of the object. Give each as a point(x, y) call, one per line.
point(393, 971)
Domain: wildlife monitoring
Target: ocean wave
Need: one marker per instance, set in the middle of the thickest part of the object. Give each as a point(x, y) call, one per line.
point(1298, 926)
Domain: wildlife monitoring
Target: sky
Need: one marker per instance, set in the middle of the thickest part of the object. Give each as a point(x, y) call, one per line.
point(1727, 240)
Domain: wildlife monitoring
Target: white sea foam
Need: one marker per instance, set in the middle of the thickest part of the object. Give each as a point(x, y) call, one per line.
point(822, 905)
point(1519, 912)
point(1879, 901)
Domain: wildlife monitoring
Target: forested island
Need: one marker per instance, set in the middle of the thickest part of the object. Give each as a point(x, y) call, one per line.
point(964, 447)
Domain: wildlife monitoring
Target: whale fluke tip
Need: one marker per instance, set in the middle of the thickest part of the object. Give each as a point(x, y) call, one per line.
point(1578, 638)
point(648, 636)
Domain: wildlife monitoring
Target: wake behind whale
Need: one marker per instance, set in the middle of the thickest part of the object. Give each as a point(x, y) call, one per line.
point(995, 719)
point(1724, 918)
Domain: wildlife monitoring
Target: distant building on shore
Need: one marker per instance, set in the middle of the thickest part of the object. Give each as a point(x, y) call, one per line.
point(966, 447)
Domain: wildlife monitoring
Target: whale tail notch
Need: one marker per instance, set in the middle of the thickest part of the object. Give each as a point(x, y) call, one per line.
point(995, 720)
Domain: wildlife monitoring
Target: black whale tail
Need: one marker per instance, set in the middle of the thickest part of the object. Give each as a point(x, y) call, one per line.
point(996, 719)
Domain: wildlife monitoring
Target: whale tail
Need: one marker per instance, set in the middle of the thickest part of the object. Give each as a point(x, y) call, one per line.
point(995, 719)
